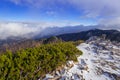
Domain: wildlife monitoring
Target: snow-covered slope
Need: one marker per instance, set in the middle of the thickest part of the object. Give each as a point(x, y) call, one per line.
point(94, 66)
point(96, 63)
point(100, 61)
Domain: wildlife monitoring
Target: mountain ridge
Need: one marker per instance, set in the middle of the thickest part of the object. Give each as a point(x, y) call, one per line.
point(22, 43)
point(113, 35)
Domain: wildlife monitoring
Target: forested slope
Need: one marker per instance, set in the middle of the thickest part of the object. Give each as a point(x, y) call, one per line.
point(34, 63)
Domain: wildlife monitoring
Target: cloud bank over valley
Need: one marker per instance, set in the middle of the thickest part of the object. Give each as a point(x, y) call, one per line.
point(29, 30)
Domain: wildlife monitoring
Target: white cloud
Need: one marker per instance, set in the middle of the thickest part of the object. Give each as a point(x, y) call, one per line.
point(109, 22)
point(17, 29)
point(89, 8)
point(37, 3)
point(28, 29)
point(100, 7)
point(106, 12)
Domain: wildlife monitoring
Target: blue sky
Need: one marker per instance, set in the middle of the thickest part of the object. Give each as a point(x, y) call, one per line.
point(22, 17)
point(86, 12)
point(44, 10)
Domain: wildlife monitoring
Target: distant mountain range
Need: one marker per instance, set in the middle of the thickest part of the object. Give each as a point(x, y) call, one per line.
point(16, 43)
point(72, 35)
point(113, 35)
point(54, 31)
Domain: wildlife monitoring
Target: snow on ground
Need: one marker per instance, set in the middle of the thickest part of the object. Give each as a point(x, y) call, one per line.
point(99, 61)
point(94, 66)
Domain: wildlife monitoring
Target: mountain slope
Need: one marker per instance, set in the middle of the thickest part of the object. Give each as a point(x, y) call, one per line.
point(113, 35)
point(99, 61)
point(17, 43)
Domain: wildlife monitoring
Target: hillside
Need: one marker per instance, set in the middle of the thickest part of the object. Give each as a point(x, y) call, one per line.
point(15, 44)
point(34, 63)
point(113, 35)
point(55, 57)
point(100, 61)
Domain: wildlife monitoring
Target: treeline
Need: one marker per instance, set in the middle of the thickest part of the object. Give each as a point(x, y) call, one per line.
point(34, 63)
point(25, 43)
point(28, 43)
